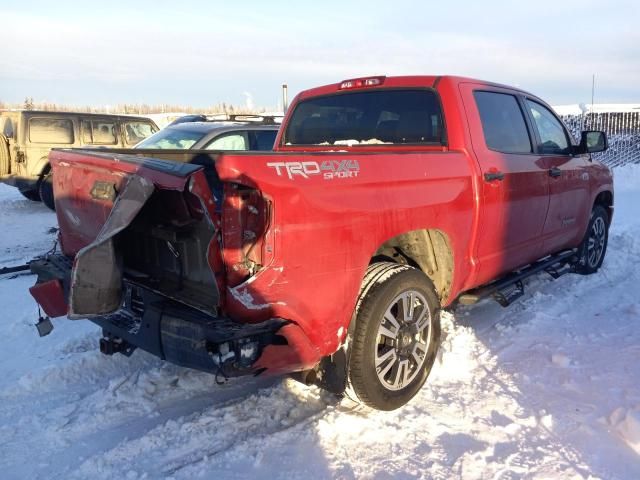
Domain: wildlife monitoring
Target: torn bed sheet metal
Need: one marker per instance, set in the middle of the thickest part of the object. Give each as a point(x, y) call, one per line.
point(96, 278)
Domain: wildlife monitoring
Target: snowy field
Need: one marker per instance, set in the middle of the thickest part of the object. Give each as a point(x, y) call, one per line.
point(548, 388)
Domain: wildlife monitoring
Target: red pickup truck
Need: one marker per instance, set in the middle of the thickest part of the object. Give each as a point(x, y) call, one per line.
point(384, 200)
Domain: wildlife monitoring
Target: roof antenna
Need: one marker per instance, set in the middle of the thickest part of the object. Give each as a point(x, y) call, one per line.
point(583, 107)
point(285, 100)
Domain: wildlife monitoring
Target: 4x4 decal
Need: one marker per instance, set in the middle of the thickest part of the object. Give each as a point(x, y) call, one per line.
point(329, 169)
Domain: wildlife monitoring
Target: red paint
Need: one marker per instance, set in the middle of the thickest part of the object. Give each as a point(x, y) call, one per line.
point(298, 354)
point(80, 216)
point(50, 296)
point(320, 235)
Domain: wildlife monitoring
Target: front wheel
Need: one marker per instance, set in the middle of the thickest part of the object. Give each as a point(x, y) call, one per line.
point(594, 245)
point(396, 336)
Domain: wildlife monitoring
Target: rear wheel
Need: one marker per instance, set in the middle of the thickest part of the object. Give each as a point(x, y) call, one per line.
point(32, 195)
point(396, 336)
point(594, 245)
point(45, 189)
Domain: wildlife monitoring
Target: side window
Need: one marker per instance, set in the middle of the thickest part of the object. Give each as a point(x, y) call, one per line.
point(553, 138)
point(230, 141)
point(135, 132)
point(50, 130)
point(502, 122)
point(263, 140)
point(6, 127)
point(99, 132)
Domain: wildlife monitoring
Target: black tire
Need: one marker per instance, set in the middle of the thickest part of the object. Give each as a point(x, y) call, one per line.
point(5, 155)
point(45, 189)
point(402, 369)
point(32, 195)
point(593, 248)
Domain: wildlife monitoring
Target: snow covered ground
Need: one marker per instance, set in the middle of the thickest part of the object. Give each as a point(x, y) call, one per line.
point(548, 388)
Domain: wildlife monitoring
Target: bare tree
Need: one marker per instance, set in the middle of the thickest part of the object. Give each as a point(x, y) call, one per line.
point(30, 104)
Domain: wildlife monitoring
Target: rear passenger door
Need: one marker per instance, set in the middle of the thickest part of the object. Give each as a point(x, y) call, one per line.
point(514, 182)
point(569, 205)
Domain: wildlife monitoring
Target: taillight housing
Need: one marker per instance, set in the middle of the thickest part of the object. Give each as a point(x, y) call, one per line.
point(245, 221)
point(361, 82)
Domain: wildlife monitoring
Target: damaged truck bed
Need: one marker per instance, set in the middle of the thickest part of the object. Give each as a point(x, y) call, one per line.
point(141, 257)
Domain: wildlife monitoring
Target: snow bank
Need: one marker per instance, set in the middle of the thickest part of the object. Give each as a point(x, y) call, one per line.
point(627, 178)
point(547, 388)
point(627, 424)
point(577, 109)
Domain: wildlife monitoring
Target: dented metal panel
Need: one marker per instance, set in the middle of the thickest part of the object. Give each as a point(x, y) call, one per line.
point(96, 278)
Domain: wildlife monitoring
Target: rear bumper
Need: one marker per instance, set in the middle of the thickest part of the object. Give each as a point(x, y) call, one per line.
point(179, 333)
point(185, 336)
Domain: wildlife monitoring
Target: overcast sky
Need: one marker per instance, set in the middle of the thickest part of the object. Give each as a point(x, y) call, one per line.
point(206, 52)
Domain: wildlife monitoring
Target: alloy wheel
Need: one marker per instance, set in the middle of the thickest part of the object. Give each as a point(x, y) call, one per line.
point(403, 340)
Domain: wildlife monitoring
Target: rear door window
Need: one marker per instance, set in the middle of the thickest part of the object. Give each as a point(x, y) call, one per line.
point(382, 116)
point(51, 130)
point(503, 123)
point(553, 138)
point(229, 141)
point(262, 140)
point(135, 132)
point(99, 132)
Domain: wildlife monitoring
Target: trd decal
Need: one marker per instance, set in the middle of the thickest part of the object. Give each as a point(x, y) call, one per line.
point(329, 169)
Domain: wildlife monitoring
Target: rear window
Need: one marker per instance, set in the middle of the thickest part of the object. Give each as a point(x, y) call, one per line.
point(51, 130)
point(373, 117)
point(502, 122)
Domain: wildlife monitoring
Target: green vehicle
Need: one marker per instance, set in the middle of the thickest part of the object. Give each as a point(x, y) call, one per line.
point(26, 136)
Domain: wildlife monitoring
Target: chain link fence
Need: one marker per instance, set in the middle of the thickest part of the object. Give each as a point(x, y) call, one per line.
point(623, 133)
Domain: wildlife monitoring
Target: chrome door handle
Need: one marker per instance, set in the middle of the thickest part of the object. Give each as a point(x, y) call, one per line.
point(555, 172)
point(491, 176)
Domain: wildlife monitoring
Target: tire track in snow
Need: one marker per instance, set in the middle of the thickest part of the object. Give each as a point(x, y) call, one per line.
point(181, 443)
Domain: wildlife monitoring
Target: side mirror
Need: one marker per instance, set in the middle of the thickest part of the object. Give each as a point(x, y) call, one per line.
point(593, 141)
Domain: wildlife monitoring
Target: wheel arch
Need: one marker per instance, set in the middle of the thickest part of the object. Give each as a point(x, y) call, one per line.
point(427, 249)
point(605, 199)
point(41, 166)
